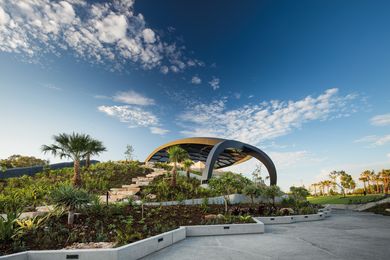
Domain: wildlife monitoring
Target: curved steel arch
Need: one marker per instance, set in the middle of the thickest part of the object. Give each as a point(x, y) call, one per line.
point(248, 149)
point(216, 153)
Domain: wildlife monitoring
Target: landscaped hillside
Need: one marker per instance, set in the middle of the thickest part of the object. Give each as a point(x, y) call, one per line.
point(26, 191)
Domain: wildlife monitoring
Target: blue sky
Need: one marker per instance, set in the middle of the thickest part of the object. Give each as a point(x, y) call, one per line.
point(306, 81)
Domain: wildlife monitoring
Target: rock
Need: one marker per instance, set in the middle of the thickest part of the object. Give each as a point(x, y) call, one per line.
point(91, 245)
point(151, 196)
point(220, 216)
point(210, 217)
point(286, 211)
point(387, 210)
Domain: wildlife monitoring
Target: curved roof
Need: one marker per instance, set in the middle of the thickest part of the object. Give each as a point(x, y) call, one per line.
point(198, 149)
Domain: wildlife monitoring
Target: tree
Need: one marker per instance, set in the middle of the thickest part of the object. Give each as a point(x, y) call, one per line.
point(71, 198)
point(385, 177)
point(176, 155)
point(17, 160)
point(272, 192)
point(376, 178)
point(253, 191)
point(333, 176)
point(94, 147)
point(74, 146)
point(363, 178)
point(187, 166)
point(256, 175)
point(299, 193)
point(129, 152)
point(367, 174)
point(228, 183)
point(347, 181)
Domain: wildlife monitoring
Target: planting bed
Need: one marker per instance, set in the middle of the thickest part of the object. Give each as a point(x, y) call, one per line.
point(121, 224)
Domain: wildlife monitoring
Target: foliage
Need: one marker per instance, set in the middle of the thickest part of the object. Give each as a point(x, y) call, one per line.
point(162, 165)
point(70, 197)
point(24, 191)
point(129, 152)
point(7, 226)
point(176, 155)
point(253, 191)
point(272, 192)
point(76, 147)
point(184, 189)
point(17, 160)
point(299, 193)
point(187, 165)
point(228, 183)
point(348, 199)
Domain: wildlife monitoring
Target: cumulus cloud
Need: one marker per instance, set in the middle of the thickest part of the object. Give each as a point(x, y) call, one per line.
point(110, 33)
point(133, 116)
point(374, 140)
point(196, 80)
point(158, 130)
point(214, 83)
point(264, 121)
point(381, 120)
point(133, 98)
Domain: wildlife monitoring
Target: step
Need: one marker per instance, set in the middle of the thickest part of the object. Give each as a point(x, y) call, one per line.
point(130, 186)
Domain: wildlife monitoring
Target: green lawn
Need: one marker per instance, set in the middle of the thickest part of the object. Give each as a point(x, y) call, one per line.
point(339, 199)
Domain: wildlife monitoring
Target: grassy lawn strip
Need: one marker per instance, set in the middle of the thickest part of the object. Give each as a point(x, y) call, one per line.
point(349, 199)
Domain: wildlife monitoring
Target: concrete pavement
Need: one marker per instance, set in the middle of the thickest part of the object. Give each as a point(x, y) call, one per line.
point(345, 235)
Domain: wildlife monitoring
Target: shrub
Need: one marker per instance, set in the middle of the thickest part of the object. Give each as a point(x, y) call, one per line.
point(71, 198)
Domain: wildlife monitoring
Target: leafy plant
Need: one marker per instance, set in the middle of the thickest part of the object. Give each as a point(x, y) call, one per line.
point(7, 226)
point(71, 198)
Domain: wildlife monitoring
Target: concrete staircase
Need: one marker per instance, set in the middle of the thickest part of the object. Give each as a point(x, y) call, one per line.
point(126, 191)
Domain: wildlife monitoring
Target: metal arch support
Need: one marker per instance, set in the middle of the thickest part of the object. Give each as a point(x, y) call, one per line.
point(248, 149)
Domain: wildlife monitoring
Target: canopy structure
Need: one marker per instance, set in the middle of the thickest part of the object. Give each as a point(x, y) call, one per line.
point(216, 153)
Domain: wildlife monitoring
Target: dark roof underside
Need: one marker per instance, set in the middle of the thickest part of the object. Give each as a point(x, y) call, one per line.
point(199, 152)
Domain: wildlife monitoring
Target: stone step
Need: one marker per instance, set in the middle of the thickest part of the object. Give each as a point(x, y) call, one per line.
point(130, 186)
point(45, 208)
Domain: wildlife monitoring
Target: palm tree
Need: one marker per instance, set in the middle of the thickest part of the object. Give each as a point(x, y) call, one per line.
point(368, 175)
point(187, 165)
point(363, 178)
point(385, 177)
point(176, 155)
point(75, 147)
point(94, 148)
point(376, 178)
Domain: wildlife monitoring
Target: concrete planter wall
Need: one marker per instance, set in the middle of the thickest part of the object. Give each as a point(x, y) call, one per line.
point(295, 218)
point(232, 229)
point(140, 248)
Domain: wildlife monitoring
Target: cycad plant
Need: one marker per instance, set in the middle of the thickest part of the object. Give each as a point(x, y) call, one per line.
point(176, 155)
point(75, 147)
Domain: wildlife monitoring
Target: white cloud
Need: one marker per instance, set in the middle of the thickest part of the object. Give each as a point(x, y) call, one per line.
point(133, 116)
point(112, 28)
point(381, 120)
point(110, 33)
point(196, 80)
point(388, 155)
point(374, 140)
point(265, 121)
point(148, 35)
point(164, 69)
point(133, 98)
point(158, 130)
point(214, 83)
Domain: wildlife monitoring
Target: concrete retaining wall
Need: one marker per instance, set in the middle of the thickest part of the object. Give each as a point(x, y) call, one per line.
point(232, 229)
point(233, 199)
point(140, 248)
point(294, 218)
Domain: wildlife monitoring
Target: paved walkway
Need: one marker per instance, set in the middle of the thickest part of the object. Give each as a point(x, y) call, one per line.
point(345, 235)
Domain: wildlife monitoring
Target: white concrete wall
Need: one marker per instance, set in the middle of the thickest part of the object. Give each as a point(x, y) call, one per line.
point(17, 256)
point(227, 229)
point(291, 219)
